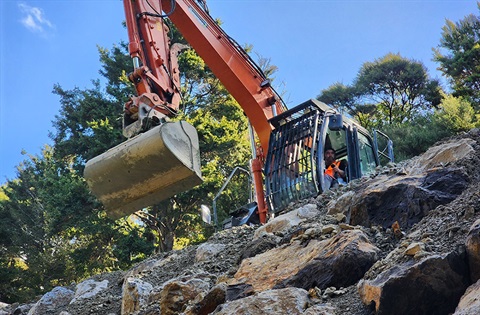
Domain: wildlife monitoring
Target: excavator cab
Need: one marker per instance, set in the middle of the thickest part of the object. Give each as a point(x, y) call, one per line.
point(294, 166)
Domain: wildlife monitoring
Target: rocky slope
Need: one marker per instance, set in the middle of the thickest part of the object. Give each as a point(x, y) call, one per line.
point(405, 241)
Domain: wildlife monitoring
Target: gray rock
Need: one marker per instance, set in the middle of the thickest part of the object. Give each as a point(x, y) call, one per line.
point(433, 285)
point(290, 301)
point(57, 298)
point(470, 301)
point(207, 251)
point(284, 222)
point(135, 293)
point(88, 289)
point(321, 309)
point(405, 199)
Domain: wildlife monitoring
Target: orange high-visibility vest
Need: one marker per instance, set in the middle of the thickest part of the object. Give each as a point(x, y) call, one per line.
point(329, 171)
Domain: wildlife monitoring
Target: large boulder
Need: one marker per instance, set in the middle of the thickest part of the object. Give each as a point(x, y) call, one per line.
point(293, 301)
point(135, 293)
point(473, 250)
point(405, 199)
point(432, 285)
point(470, 302)
point(441, 155)
point(339, 261)
point(177, 294)
point(57, 298)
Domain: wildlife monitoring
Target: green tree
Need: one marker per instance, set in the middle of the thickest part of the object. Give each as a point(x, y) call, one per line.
point(457, 114)
point(340, 96)
point(416, 136)
point(389, 90)
point(90, 121)
point(459, 57)
point(54, 231)
point(399, 87)
point(10, 270)
point(346, 99)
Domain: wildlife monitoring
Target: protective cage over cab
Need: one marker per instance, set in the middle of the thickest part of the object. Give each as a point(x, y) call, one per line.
point(294, 165)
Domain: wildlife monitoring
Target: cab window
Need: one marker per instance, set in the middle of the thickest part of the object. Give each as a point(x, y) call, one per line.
point(336, 139)
point(367, 155)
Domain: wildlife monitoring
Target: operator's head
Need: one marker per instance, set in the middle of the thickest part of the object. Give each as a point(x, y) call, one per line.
point(329, 156)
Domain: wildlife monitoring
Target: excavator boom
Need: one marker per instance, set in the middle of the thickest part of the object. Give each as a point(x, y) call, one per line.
point(161, 158)
point(230, 64)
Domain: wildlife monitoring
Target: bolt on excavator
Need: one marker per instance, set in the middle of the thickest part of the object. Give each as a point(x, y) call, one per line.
point(161, 157)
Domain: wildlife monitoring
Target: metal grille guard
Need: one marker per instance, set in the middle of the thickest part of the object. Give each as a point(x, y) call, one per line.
point(291, 163)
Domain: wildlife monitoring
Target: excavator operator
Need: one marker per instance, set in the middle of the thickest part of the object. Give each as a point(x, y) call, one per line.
point(335, 171)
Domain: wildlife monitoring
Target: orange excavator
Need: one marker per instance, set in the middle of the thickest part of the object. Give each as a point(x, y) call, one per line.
point(161, 157)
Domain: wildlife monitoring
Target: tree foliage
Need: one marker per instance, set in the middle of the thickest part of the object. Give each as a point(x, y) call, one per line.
point(53, 232)
point(90, 121)
point(399, 88)
point(389, 90)
point(414, 137)
point(457, 114)
point(459, 57)
point(340, 96)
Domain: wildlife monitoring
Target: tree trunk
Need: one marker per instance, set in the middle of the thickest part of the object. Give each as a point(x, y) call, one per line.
point(166, 242)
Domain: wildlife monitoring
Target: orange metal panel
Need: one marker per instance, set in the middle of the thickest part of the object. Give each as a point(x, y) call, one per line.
point(232, 68)
point(149, 42)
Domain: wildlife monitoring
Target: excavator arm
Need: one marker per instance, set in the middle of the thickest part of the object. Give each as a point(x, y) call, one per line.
point(237, 72)
point(229, 62)
point(155, 75)
point(161, 158)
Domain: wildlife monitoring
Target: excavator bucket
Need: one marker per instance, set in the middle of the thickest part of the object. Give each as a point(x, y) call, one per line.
point(146, 169)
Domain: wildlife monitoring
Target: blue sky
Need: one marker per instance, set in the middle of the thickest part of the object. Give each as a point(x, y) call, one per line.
point(314, 44)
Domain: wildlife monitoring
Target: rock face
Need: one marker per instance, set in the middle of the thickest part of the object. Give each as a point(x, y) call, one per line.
point(432, 285)
point(444, 154)
point(338, 261)
point(271, 302)
point(470, 302)
point(473, 250)
point(404, 241)
point(405, 199)
point(57, 298)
